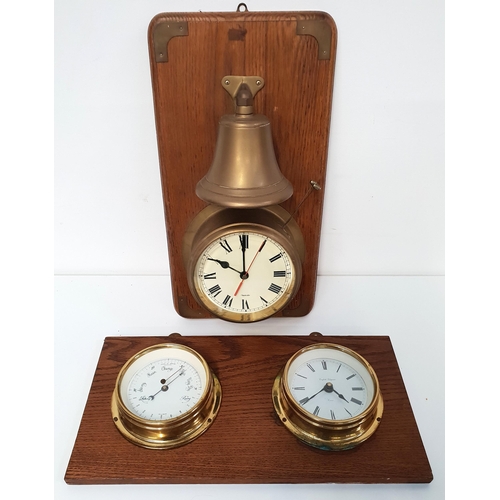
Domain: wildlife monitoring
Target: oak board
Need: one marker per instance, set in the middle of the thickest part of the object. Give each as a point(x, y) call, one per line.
point(247, 443)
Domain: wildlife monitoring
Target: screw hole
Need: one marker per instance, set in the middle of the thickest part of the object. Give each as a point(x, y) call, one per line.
point(115, 419)
point(283, 419)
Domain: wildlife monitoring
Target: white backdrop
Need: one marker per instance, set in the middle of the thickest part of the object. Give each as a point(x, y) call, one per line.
point(382, 250)
point(384, 195)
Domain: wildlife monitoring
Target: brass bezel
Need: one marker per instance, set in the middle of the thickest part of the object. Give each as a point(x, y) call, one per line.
point(319, 432)
point(174, 432)
point(214, 222)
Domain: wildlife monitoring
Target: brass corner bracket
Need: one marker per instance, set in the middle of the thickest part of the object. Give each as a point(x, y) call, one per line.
point(162, 34)
point(320, 30)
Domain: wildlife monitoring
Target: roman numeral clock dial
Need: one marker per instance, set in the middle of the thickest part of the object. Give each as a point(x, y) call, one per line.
point(245, 275)
point(328, 396)
point(243, 265)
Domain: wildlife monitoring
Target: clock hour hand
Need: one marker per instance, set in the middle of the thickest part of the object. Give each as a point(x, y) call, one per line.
point(341, 396)
point(224, 264)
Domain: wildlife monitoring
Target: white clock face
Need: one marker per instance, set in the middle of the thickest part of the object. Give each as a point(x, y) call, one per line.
point(245, 273)
point(163, 384)
point(330, 384)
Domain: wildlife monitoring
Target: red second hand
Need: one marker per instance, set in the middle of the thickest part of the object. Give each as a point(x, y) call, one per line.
point(253, 260)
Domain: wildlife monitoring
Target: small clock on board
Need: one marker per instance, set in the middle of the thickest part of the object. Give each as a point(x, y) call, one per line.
point(328, 396)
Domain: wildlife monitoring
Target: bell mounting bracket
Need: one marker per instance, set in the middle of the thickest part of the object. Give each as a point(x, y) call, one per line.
point(232, 84)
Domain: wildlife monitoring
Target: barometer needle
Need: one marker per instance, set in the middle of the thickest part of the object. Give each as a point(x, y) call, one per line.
point(164, 386)
point(153, 396)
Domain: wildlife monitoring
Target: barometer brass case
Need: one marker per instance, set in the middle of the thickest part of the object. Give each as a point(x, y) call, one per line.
point(144, 430)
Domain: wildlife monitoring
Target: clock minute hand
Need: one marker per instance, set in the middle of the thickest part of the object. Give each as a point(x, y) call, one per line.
point(306, 400)
point(244, 246)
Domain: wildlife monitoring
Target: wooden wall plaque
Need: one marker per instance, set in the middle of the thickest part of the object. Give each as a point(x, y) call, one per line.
point(247, 443)
point(189, 55)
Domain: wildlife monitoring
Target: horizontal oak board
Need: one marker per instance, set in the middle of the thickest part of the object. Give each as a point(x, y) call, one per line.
point(189, 101)
point(247, 443)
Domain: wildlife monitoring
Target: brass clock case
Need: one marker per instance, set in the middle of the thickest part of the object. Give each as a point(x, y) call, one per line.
point(322, 433)
point(172, 432)
point(215, 222)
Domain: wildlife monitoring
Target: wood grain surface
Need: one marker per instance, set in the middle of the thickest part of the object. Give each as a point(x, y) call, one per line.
point(247, 443)
point(189, 101)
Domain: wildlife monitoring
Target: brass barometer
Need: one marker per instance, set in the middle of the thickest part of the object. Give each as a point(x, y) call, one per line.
point(328, 396)
point(165, 396)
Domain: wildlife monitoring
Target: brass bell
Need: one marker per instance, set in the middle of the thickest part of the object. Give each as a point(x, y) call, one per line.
point(244, 172)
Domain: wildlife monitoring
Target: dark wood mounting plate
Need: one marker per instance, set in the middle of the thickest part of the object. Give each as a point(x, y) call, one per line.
point(247, 443)
point(189, 55)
